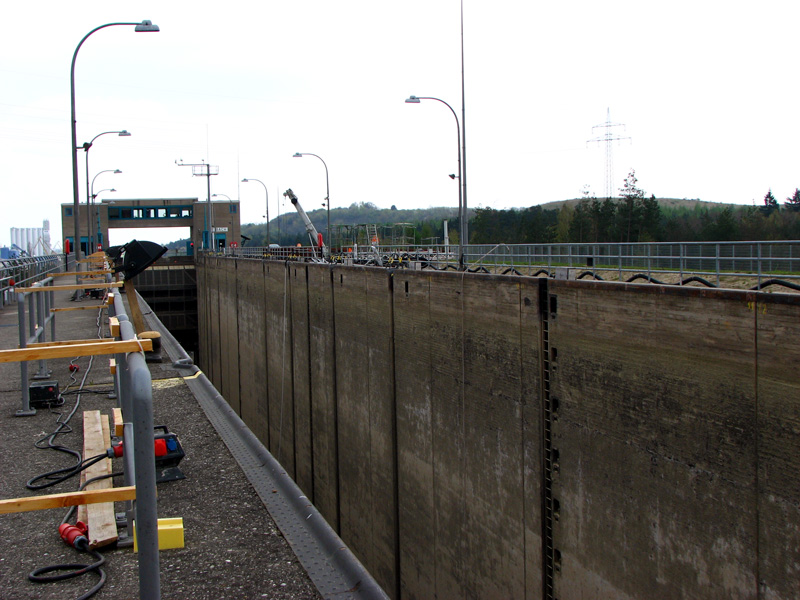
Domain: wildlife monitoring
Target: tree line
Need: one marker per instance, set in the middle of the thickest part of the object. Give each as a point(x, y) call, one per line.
point(632, 217)
point(635, 217)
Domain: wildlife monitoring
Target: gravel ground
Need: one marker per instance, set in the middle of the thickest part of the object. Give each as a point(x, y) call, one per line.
point(232, 546)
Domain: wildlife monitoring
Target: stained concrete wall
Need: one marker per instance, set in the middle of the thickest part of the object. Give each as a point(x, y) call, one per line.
point(409, 407)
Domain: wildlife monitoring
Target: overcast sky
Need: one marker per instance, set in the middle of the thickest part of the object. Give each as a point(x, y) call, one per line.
point(707, 92)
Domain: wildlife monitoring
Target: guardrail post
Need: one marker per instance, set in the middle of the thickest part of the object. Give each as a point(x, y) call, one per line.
point(137, 393)
point(26, 410)
point(758, 246)
point(41, 330)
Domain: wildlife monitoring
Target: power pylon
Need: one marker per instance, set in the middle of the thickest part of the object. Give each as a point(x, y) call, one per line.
point(608, 137)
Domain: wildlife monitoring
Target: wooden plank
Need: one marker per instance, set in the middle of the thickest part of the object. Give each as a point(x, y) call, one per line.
point(70, 350)
point(67, 342)
point(94, 307)
point(133, 305)
point(72, 286)
point(113, 326)
point(16, 505)
point(100, 517)
point(118, 422)
point(83, 273)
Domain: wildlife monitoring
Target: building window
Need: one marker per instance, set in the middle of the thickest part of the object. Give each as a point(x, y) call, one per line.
point(232, 208)
point(68, 211)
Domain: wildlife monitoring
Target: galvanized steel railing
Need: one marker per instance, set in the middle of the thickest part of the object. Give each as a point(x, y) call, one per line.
point(715, 260)
point(26, 271)
point(133, 385)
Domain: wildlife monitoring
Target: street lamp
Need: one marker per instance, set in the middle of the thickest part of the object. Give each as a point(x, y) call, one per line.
point(97, 211)
point(327, 192)
point(416, 100)
point(90, 201)
point(86, 146)
point(144, 26)
point(267, 193)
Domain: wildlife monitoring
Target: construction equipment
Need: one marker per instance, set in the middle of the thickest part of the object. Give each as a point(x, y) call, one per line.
point(316, 237)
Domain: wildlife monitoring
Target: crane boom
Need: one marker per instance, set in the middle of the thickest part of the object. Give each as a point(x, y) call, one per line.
point(316, 237)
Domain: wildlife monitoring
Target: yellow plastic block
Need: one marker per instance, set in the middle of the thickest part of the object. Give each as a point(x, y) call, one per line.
point(170, 534)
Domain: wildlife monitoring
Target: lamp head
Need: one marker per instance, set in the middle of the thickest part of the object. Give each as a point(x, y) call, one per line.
point(244, 180)
point(116, 171)
point(412, 100)
point(297, 155)
point(453, 175)
point(146, 26)
point(124, 133)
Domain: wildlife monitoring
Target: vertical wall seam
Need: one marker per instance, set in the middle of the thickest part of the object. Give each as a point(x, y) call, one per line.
point(264, 286)
point(335, 405)
point(434, 491)
point(757, 456)
point(217, 377)
point(395, 446)
point(239, 337)
point(310, 392)
point(523, 429)
point(464, 548)
point(548, 589)
point(292, 396)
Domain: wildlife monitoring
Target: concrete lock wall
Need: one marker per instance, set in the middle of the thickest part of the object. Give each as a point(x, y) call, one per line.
point(480, 436)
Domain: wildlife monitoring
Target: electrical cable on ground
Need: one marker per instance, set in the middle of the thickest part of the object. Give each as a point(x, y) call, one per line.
point(62, 427)
point(73, 535)
point(80, 543)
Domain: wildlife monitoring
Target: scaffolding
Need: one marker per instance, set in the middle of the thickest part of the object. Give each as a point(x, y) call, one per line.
point(370, 234)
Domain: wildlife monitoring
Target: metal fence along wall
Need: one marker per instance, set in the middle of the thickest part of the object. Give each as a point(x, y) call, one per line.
point(483, 436)
point(711, 259)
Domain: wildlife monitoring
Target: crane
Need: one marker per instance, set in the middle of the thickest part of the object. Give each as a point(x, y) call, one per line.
point(313, 234)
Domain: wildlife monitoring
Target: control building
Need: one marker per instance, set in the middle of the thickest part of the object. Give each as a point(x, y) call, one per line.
point(212, 225)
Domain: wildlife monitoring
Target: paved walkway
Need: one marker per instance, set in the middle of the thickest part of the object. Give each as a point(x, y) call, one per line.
point(233, 548)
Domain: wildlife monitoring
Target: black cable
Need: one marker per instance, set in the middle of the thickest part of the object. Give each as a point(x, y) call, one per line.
point(56, 476)
point(87, 391)
point(64, 428)
point(76, 570)
point(769, 282)
point(81, 544)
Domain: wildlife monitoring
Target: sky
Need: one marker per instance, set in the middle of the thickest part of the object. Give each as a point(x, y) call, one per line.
point(704, 95)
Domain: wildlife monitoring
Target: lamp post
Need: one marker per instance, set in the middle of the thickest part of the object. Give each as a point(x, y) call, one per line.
point(327, 192)
point(202, 169)
point(97, 211)
point(144, 26)
point(90, 201)
point(416, 100)
point(86, 146)
point(245, 180)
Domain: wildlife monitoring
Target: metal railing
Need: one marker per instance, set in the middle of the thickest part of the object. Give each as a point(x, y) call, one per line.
point(716, 260)
point(32, 326)
point(26, 271)
point(134, 390)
